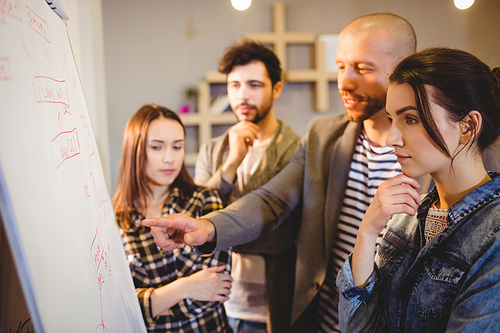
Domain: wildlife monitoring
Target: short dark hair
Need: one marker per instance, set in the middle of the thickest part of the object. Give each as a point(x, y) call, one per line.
point(247, 51)
point(459, 82)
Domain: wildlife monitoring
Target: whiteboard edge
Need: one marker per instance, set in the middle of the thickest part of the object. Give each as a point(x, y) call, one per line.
point(10, 226)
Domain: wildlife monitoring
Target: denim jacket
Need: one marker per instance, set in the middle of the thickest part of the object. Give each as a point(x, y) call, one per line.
point(451, 284)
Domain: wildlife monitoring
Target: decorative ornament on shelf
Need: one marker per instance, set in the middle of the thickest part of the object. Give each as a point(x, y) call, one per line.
point(191, 100)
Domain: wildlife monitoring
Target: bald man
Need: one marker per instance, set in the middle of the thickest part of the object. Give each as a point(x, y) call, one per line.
point(330, 181)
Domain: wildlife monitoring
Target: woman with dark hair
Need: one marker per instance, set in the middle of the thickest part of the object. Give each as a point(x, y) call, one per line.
point(437, 269)
point(178, 290)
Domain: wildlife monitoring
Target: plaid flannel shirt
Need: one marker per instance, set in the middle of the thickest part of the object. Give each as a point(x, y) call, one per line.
point(152, 268)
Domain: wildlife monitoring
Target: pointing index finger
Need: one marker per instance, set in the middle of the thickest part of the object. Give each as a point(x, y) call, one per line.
point(169, 221)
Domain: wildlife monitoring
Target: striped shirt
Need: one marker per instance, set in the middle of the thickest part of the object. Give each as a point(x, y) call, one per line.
point(370, 167)
point(152, 268)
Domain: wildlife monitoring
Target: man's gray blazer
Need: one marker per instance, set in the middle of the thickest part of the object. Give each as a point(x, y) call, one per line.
point(315, 180)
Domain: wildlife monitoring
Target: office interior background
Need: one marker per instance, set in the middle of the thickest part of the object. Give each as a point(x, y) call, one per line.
point(130, 53)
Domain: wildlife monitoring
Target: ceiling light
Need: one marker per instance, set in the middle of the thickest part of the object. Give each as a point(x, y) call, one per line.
point(241, 4)
point(463, 4)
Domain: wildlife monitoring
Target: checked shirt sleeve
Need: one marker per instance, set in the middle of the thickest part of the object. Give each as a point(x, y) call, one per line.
point(152, 267)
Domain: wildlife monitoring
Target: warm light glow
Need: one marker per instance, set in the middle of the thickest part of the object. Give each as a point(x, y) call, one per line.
point(241, 4)
point(463, 4)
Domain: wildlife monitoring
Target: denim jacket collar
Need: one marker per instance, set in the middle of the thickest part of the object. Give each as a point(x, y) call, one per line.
point(467, 205)
point(477, 198)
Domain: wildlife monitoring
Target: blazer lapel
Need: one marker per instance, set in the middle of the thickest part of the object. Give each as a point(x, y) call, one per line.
point(340, 163)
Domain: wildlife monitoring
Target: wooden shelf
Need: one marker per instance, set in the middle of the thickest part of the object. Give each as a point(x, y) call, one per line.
point(203, 119)
point(195, 119)
point(279, 38)
point(318, 75)
point(190, 158)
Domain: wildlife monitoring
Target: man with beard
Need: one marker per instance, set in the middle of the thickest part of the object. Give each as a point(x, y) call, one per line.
point(332, 177)
point(241, 160)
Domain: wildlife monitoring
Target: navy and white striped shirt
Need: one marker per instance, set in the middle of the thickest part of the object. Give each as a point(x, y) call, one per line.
point(370, 167)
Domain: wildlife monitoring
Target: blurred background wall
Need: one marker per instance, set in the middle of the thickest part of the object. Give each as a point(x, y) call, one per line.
point(131, 53)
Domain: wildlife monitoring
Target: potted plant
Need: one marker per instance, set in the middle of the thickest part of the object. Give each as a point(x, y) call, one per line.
point(191, 100)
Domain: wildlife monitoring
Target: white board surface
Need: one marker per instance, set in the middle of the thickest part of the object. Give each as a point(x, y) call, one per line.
point(56, 209)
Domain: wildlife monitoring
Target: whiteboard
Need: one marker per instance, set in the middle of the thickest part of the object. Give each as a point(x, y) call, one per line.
point(54, 202)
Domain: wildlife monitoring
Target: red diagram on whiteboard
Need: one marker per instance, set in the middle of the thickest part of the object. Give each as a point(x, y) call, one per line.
point(90, 189)
point(100, 259)
point(102, 268)
point(64, 146)
point(49, 90)
point(11, 8)
point(38, 24)
point(5, 73)
point(100, 194)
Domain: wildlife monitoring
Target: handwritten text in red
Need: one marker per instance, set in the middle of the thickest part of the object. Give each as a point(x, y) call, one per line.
point(64, 146)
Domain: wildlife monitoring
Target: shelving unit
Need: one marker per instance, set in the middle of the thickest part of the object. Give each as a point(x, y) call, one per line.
point(319, 76)
point(279, 38)
point(203, 119)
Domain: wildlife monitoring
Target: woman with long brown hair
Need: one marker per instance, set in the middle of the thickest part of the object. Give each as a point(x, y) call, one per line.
point(179, 291)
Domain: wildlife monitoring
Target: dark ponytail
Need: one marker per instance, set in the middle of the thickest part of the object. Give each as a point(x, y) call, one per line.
point(496, 73)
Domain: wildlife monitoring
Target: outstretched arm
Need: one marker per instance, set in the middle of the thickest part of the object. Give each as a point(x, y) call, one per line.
point(242, 221)
point(172, 231)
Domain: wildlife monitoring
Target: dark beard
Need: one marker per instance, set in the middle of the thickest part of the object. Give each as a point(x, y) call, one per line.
point(373, 106)
point(265, 111)
point(259, 117)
